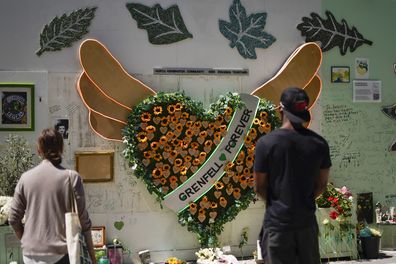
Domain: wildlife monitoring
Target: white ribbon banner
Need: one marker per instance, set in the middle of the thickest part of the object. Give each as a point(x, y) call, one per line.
point(213, 169)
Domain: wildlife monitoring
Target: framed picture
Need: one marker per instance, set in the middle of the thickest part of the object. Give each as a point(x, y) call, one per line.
point(103, 168)
point(17, 106)
point(340, 74)
point(62, 126)
point(98, 236)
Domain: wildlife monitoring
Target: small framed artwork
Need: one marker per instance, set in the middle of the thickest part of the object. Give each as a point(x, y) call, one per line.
point(98, 236)
point(62, 126)
point(103, 168)
point(340, 74)
point(362, 68)
point(17, 106)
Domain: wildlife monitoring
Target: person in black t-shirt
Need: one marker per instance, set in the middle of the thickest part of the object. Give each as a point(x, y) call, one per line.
point(291, 169)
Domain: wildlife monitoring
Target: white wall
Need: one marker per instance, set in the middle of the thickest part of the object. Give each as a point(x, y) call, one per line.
point(126, 199)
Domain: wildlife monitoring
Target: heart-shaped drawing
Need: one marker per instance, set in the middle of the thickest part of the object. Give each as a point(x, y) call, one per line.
point(184, 165)
point(118, 225)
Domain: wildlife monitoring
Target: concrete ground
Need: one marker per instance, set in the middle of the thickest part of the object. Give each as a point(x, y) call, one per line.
point(385, 257)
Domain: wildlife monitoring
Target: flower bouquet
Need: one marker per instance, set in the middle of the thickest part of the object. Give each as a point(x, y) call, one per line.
point(208, 255)
point(370, 241)
point(339, 200)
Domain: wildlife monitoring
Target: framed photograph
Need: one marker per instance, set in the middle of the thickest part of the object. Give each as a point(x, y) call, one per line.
point(340, 74)
point(62, 126)
point(103, 169)
point(17, 106)
point(98, 236)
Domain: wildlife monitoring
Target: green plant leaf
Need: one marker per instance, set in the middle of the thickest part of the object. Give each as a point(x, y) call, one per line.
point(246, 32)
point(164, 26)
point(63, 31)
point(330, 33)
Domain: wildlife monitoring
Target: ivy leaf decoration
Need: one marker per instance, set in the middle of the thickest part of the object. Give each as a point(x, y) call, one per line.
point(246, 32)
point(163, 26)
point(331, 33)
point(63, 31)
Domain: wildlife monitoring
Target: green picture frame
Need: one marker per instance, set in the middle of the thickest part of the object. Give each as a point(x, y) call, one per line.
point(17, 107)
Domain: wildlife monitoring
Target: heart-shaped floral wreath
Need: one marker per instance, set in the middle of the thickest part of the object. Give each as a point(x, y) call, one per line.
point(169, 137)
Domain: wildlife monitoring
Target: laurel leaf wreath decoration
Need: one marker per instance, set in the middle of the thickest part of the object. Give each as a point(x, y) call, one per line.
point(63, 31)
point(246, 32)
point(330, 33)
point(163, 26)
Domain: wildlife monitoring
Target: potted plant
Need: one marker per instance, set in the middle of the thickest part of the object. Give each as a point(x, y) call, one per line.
point(16, 158)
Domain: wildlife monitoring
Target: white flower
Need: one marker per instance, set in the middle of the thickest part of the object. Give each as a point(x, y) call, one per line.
point(326, 221)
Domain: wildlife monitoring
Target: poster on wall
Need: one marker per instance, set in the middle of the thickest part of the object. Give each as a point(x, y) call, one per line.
point(367, 91)
point(361, 68)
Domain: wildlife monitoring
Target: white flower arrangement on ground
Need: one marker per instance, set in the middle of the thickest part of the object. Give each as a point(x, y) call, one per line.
point(208, 255)
point(5, 205)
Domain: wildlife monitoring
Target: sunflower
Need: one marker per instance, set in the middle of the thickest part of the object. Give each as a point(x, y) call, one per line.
point(189, 123)
point(213, 205)
point(154, 145)
point(185, 115)
point(229, 166)
point(163, 181)
point(243, 179)
point(173, 179)
point(263, 115)
point(178, 106)
point(228, 111)
point(165, 121)
point(171, 109)
point(150, 129)
point(163, 140)
point(211, 126)
point(146, 117)
point(183, 170)
point(201, 211)
point(158, 157)
point(223, 128)
point(157, 110)
point(147, 154)
point(217, 136)
point(202, 155)
point(179, 127)
point(156, 173)
point(187, 158)
point(246, 171)
point(198, 124)
point(203, 134)
point(219, 119)
point(173, 154)
point(196, 162)
point(219, 185)
point(178, 162)
point(170, 134)
point(194, 145)
point(189, 132)
point(256, 121)
point(166, 167)
point(142, 137)
point(208, 143)
point(174, 119)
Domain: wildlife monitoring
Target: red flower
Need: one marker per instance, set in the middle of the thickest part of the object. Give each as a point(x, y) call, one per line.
point(330, 199)
point(333, 215)
point(335, 200)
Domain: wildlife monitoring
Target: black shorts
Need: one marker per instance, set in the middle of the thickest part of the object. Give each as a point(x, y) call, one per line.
point(290, 247)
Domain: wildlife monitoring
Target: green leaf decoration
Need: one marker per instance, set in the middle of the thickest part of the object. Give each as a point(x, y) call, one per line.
point(246, 32)
point(163, 26)
point(330, 33)
point(64, 30)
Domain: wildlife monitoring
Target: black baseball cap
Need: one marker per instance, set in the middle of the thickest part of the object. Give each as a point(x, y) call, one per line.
point(294, 103)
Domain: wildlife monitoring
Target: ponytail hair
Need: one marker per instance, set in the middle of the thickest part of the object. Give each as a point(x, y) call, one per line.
point(50, 144)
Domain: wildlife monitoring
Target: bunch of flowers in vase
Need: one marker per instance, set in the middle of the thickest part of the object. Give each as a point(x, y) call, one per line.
point(208, 255)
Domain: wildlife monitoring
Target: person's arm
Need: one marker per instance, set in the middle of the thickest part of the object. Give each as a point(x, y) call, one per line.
point(261, 184)
point(321, 181)
point(17, 211)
